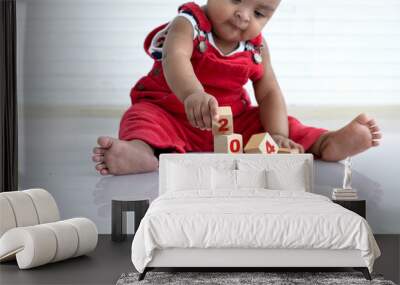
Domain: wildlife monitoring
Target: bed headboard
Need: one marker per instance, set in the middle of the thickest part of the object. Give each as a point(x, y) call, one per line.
point(294, 168)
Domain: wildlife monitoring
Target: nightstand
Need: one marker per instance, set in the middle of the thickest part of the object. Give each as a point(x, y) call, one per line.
point(357, 206)
point(118, 215)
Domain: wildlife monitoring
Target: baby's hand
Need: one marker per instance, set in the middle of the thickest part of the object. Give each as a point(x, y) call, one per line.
point(283, 141)
point(201, 109)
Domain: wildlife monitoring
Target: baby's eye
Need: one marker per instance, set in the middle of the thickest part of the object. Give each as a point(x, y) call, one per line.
point(236, 1)
point(259, 14)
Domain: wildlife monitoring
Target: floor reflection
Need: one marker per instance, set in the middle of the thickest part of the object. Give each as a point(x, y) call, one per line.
point(137, 187)
point(329, 175)
point(388, 263)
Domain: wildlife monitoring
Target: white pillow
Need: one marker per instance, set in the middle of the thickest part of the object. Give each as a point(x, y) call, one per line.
point(224, 179)
point(188, 177)
point(251, 178)
point(283, 173)
point(295, 180)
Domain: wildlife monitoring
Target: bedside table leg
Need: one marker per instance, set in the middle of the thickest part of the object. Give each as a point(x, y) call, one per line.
point(118, 221)
point(364, 271)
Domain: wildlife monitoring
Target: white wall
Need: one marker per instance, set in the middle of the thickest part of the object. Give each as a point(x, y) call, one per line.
point(78, 59)
point(91, 51)
point(337, 51)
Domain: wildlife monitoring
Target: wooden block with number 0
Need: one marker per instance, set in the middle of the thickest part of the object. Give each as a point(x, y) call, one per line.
point(224, 126)
point(232, 143)
point(261, 143)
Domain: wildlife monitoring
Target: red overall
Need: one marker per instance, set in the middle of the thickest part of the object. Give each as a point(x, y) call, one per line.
point(157, 116)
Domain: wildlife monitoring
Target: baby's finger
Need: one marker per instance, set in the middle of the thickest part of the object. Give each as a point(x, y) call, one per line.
point(292, 144)
point(213, 104)
point(284, 143)
point(190, 116)
point(205, 112)
point(297, 146)
point(197, 116)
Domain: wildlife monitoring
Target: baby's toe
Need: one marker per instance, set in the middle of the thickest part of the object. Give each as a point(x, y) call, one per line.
point(98, 158)
point(371, 123)
point(376, 136)
point(362, 119)
point(375, 143)
point(100, 166)
point(105, 142)
point(374, 129)
point(99, 150)
point(104, 171)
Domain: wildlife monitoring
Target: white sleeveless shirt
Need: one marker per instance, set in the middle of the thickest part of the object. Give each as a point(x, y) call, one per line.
point(154, 47)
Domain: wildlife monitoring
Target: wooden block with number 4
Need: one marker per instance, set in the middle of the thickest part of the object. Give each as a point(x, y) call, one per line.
point(261, 143)
point(232, 143)
point(224, 126)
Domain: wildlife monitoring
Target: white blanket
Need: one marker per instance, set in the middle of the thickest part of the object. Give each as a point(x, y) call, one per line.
point(252, 218)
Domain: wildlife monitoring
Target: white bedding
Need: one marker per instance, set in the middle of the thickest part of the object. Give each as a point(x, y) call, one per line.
point(250, 218)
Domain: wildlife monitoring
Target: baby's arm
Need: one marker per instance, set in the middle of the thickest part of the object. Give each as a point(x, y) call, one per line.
point(273, 113)
point(200, 107)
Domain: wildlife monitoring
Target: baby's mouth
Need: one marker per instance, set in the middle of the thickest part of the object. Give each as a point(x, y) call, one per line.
point(235, 27)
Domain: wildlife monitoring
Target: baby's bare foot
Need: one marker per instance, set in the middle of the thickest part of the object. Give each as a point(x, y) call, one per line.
point(119, 157)
point(358, 136)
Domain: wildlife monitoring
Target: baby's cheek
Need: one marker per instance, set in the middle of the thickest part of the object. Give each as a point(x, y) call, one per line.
point(255, 29)
point(250, 34)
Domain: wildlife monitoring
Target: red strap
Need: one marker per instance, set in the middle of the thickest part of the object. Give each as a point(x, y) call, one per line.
point(203, 22)
point(257, 41)
point(196, 11)
point(149, 38)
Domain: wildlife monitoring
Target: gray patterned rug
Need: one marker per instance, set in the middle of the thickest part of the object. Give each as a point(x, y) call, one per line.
point(243, 278)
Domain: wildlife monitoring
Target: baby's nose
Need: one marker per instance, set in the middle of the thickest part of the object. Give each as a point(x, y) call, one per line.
point(242, 15)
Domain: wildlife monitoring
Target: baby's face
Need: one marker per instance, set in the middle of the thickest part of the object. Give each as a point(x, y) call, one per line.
point(239, 20)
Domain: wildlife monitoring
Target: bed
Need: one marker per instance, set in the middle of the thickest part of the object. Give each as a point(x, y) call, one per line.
point(247, 211)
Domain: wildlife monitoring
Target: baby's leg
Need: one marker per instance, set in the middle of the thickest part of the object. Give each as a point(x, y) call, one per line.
point(357, 136)
point(143, 126)
point(120, 157)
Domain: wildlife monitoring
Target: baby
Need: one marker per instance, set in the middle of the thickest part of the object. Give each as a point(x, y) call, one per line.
point(202, 59)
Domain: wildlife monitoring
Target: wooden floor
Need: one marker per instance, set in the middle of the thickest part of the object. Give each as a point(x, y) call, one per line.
point(103, 266)
point(110, 260)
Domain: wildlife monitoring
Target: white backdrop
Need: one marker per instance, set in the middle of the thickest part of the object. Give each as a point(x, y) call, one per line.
point(78, 59)
point(332, 51)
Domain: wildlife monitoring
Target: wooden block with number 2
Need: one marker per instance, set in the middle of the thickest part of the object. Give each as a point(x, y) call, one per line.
point(224, 126)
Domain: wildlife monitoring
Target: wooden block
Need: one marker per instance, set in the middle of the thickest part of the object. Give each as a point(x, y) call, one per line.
point(288, 150)
point(261, 143)
point(224, 126)
point(232, 143)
